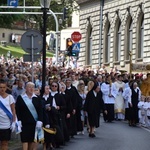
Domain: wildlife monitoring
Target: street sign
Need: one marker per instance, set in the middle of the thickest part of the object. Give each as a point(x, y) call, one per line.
point(76, 47)
point(28, 57)
point(76, 36)
point(12, 3)
point(32, 40)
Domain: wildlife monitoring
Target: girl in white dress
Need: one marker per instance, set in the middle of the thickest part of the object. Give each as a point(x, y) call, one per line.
point(147, 108)
point(142, 112)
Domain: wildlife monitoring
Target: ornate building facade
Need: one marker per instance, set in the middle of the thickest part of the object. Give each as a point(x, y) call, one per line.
point(115, 33)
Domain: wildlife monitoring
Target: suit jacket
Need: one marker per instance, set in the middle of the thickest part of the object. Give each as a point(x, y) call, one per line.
point(23, 113)
point(94, 105)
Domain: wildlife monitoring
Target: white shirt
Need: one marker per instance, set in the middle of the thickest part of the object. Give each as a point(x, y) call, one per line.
point(95, 94)
point(46, 97)
point(4, 120)
point(54, 102)
point(108, 90)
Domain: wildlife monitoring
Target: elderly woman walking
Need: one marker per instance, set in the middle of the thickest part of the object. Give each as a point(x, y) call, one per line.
point(93, 106)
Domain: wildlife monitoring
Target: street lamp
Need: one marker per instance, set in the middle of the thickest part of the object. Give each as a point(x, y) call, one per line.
point(45, 4)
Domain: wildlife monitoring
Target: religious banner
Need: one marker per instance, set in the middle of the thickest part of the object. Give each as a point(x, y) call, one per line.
point(141, 67)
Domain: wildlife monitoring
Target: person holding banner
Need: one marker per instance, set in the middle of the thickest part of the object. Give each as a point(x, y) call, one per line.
point(30, 115)
point(7, 116)
point(145, 86)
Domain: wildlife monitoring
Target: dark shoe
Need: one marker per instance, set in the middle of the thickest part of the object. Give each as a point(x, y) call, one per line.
point(93, 135)
point(109, 121)
point(88, 129)
point(134, 125)
point(130, 123)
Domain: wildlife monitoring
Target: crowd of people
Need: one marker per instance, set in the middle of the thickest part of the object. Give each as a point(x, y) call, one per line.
point(72, 99)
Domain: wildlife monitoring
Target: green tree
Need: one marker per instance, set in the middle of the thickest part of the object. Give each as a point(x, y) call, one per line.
point(8, 20)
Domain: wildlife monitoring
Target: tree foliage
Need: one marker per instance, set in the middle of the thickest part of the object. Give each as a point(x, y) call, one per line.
point(8, 20)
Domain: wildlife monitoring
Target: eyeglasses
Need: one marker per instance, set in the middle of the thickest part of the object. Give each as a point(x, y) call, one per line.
point(54, 85)
point(2, 87)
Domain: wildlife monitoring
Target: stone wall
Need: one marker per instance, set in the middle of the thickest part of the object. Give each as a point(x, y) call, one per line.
point(92, 11)
point(114, 9)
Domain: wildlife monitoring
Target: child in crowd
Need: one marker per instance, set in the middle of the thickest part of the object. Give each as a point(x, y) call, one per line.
point(147, 108)
point(142, 111)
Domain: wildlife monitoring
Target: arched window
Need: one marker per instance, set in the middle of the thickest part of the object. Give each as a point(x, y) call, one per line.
point(129, 32)
point(107, 43)
point(117, 41)
point(130, 35)
point(89, 45)
point(140, 36)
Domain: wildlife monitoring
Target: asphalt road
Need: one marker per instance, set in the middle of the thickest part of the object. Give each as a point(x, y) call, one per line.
point(110, 136)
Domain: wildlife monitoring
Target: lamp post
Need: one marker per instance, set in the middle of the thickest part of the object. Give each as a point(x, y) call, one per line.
point(44, 7)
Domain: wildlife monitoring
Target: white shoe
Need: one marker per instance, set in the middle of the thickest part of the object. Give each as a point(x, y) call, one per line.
point(82, 132)
point(78, 133)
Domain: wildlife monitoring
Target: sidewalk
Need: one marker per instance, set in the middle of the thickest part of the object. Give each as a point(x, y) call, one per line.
point(15, 143)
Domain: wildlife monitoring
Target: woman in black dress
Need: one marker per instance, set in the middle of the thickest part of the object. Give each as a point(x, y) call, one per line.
point(48, 138)
point(55, 108)
point(93, 106)
point(67, 113)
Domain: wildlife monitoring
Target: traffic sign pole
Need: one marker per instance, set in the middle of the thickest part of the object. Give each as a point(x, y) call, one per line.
point(31, 42)
point(32, 47)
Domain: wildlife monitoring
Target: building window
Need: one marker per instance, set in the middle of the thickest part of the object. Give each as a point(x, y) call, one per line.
point(89, 45)
point(3, 35)
point(130, 36)
point(117, 41)
point(140, 36)
point(107, 44)
point(129, 32)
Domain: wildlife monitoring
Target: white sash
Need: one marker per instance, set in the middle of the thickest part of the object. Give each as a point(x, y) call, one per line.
point(30, 106)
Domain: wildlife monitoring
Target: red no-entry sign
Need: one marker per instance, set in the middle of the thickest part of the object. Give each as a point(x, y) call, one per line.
point(76, 36)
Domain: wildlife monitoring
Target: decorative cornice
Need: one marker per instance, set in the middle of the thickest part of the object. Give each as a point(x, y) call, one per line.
point(138, 12)
point(88, 22)
point(107, 18)
point(85, 1)
point(127, 14)
point(117, 16)
point(82, 1)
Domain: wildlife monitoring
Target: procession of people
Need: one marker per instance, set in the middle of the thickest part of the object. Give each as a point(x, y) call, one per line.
point(71, 104)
